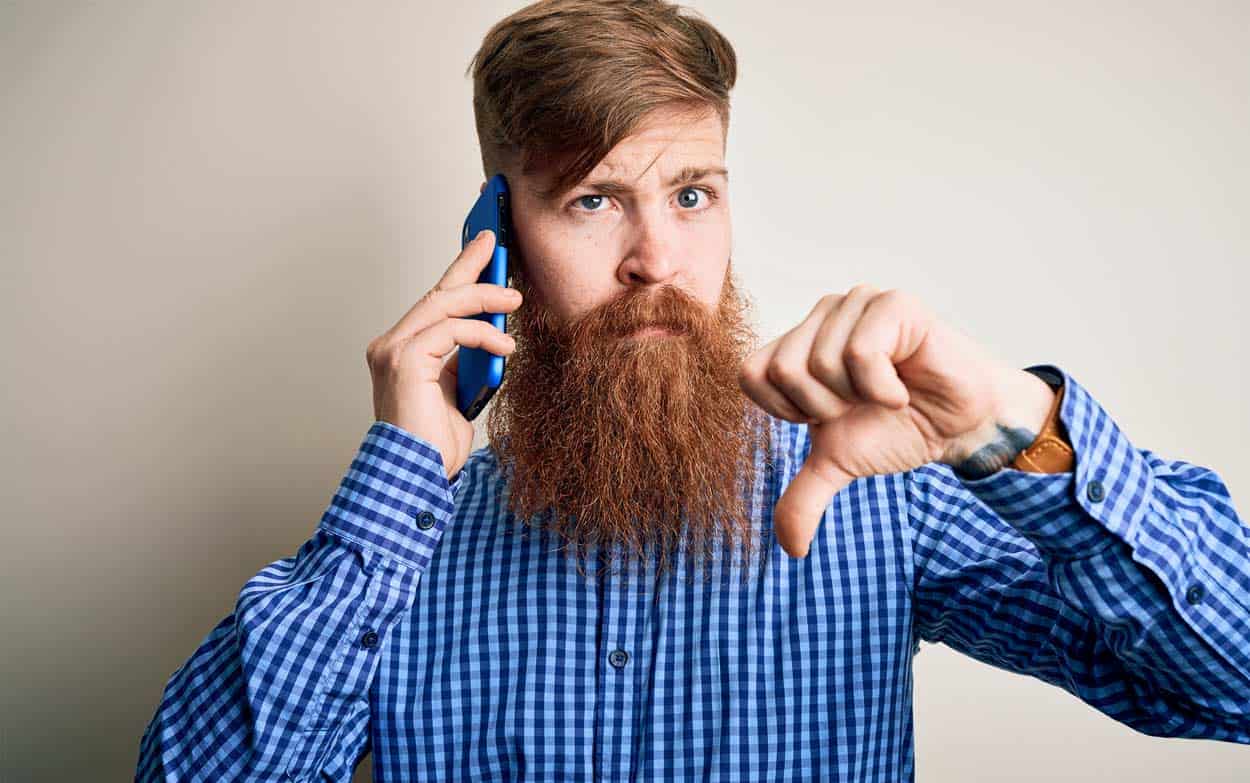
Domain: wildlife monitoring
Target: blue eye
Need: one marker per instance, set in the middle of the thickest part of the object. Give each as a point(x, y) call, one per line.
point(687, 203)
point(582, 201)
point(685, 199)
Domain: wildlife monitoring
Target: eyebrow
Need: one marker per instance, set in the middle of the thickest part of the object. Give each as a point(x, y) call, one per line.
point(684, 177)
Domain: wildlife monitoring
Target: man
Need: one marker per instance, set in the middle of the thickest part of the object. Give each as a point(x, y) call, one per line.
point(870, 478)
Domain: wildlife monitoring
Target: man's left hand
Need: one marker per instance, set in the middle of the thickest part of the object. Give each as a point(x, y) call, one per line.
point(884, 387)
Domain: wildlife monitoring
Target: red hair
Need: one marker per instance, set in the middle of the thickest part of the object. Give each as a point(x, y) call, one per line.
point(559, 83)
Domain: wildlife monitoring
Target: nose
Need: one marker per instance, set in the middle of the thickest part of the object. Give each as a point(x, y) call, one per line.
point(651, 251)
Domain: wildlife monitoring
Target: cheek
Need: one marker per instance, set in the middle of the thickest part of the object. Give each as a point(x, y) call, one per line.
point(571, 271)
point(709, 251)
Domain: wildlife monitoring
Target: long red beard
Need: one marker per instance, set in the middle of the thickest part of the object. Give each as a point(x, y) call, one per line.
point(635, 446)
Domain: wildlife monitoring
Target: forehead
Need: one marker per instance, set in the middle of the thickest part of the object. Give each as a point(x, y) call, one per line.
point(666, 142)
point(664, 145)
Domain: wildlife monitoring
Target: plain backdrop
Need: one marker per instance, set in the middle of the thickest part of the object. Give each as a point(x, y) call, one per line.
point(208, 209)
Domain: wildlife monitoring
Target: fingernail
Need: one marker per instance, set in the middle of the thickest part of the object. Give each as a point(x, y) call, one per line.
point(482, 233)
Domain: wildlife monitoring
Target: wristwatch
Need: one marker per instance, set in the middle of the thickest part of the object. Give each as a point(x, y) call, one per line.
point(1050, 452)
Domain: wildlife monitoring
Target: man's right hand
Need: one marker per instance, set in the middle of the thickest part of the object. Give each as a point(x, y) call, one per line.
point(413, 388)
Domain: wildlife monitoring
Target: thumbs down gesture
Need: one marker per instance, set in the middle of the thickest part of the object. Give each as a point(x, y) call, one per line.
point(885, 386)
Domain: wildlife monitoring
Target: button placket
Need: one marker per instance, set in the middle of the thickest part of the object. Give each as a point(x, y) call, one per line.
point(617, 692)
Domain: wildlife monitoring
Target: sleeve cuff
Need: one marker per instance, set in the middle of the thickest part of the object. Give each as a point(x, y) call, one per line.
point(1111, 482)
point(395, 500)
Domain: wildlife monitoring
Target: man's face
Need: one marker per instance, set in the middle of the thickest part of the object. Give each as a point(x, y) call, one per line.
point(633, 440)
point(655, 211)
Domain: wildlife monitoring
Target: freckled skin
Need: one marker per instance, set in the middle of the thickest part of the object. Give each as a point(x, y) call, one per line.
point(582, 255)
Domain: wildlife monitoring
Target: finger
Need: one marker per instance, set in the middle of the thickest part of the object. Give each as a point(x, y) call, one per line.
point(789, 368)
point(464, 270)
point(801, 507)
point(465, 300)
point(470, 262)
point(443, 337)
point(755, 385)
point(826, 362)
point(881, 336)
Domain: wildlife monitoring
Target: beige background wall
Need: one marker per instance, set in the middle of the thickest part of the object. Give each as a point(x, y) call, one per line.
point(208, 209)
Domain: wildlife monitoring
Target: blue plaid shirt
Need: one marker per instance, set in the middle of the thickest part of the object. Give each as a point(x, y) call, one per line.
point(413, 624)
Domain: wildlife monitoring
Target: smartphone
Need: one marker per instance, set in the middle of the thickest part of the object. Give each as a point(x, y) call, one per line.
point(480, 372)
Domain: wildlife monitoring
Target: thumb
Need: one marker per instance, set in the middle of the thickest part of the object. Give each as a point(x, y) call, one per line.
point(800, 508)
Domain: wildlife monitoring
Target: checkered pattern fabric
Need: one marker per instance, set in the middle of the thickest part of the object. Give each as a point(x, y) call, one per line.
point(420, 623)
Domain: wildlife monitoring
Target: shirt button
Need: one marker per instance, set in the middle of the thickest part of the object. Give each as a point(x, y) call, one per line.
point(1095, 491)
point(425, 520)
point(1194, 594)
point(369, 640)
point(618, 658)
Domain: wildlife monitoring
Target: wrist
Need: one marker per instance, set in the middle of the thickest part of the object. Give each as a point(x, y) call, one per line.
point(1021, 404)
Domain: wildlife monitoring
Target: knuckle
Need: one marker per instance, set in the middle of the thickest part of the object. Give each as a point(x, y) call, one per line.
point(909, 302)
point(783, 373)
point(856, 353)
point(896, 297)
point(821, 364)
point(484, 332)
point(374, 350)
point(384, 361)
point(435, 296)
point(439, 331)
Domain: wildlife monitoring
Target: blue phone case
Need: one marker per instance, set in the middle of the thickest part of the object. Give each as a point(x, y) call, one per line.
point(480, 372)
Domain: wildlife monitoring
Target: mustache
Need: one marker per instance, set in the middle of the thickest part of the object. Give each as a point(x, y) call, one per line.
point(666, 307)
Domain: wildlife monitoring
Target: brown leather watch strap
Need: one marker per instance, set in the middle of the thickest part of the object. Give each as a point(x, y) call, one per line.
point(1050, 452)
